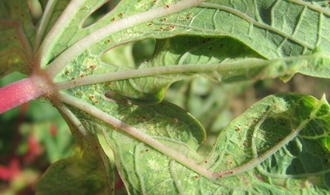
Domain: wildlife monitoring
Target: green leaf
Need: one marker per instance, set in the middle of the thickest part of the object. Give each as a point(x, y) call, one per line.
point(264, 150)
point(165, 122)
point(266, 26)
point(263, 25)
point(61, 26)
point(17, 35)
point(262, 50)
point(231, 62)
point(87, 171)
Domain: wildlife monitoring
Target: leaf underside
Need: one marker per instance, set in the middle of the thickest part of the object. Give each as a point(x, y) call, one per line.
point(275, 146)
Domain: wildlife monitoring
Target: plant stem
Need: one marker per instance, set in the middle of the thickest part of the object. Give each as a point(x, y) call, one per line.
point(57, 30)
point(188, 70)
point(43, 24)
point(17, 93)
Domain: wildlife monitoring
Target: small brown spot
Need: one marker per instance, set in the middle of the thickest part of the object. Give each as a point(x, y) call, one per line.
point(175, 120)
point(96, 102)
point(147, 150)
point(167, 6)
point(92, 97)
point(245, 143)
point(92, 66)
point(196, 177)
point(205, 161)
point(82, 76)
point(114, 128)
point(258, 177)
point(113, 19)
point(121, 14)
point(170, 27)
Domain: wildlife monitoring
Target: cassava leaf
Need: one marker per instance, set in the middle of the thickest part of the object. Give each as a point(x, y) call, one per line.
point(270, 51)
point(189, 131)
point(276, 146)
point(231, 62)
point(262, 147)
point(62, 25)
point(279, 142)
point(87, 171)
point(165, 122)
point(17, 35)
point(265, 26)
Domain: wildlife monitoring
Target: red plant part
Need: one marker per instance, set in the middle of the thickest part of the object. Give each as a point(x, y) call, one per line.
point(18, 93)
point(34, 149)
point(52, 130)
point(13, 170)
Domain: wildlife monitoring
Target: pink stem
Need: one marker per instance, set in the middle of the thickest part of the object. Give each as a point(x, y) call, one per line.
point(18, 93)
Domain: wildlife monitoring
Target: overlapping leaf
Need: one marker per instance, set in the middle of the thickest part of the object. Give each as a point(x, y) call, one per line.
point(87, 171)
point(17, 35)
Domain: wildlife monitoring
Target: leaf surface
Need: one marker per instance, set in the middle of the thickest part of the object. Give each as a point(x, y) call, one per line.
point(275, 146)
point(87, 171)
point(260, 48)
point(17, 34)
